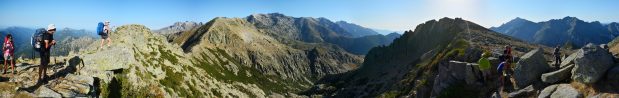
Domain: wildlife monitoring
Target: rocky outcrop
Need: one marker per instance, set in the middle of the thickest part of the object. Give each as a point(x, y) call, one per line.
point(569, 59)
point(546, 92)
point(74, 85)
point(527, 91)
point(558, 75)
point(46, 92)
point(566, 91)
point(530, 67)
point(453, 73)
point(613, 74)
point(592, 62)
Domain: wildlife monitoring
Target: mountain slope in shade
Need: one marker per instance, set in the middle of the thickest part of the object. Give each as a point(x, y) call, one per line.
point(358, 31)
point(567, 31)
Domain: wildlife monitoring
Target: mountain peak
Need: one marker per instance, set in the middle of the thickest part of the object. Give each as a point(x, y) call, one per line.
point(569, 17)
point(519, 20)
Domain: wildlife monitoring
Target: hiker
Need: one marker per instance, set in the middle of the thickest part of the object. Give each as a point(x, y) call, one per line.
point(484, 65)
point(557, 54)
point(48, 42)
point(103, 29)
point(9, 49)
point(500, 69)
point(507, 58)
point(504, 67)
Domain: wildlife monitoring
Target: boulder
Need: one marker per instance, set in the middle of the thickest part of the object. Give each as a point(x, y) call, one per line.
point(566, 91)
point(73, 86)
point(569, 59)
point(472, 73)
point(613, 74)
point(547, 91)
point(527, 91)
point(592, 62)
point(46, 92)
point(530, 67)
point(556, 76)
point(454, 72)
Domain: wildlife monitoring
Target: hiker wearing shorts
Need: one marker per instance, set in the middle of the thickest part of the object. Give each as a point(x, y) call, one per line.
point(105, 33)
point(48, 42)
point(8, 51)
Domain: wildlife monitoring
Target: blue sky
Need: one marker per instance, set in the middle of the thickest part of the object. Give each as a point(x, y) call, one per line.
point(381, 14)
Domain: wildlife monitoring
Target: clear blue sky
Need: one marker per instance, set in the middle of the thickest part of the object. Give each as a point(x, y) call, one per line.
point(381, 14)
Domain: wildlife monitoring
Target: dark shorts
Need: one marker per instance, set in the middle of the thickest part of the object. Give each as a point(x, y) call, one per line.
point(44, 58)
point(104, 36)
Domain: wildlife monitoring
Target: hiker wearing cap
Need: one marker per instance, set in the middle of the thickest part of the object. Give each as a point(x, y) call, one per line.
point(103, 29)
point(48, 42)
point(8, 49)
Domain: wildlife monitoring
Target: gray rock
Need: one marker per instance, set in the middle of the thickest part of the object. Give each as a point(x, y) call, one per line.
point(447, 75)
point(73, 86)
point(613, 74)
point(547, 91)
point(528, 91)
point(471, 73)
point(46, 92)
point(566, 91)
point(592, 62)
point(530, 67)
point(569, 59)
point(556, 76)
point(496, 95)
point(454, 72)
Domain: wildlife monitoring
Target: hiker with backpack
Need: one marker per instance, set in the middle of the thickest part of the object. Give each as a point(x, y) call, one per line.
point(44, 42)
point(508, 59)
point(500, 68)
point(8, 50)
point(557, 54)
point(103, 30)
point(504, 68)
point(484, 65)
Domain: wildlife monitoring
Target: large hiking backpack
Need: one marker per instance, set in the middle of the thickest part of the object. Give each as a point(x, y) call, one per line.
point(100, 26)
point(37, 39)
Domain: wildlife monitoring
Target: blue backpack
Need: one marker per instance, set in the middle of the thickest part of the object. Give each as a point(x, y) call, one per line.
point(100, 28)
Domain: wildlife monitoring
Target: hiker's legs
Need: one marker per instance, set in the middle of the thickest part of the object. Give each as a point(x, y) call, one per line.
point(109, 40)
point(45, 65)
point(41, 69)
point(4, 67)
point(557, 61)
point(44, 62)
point(102, 41)
point(13, 64)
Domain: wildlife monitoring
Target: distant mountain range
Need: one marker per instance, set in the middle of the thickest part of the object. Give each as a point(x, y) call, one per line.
point(353, 38)
point(569, 31)
point(385, 31)
point(359, 31)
